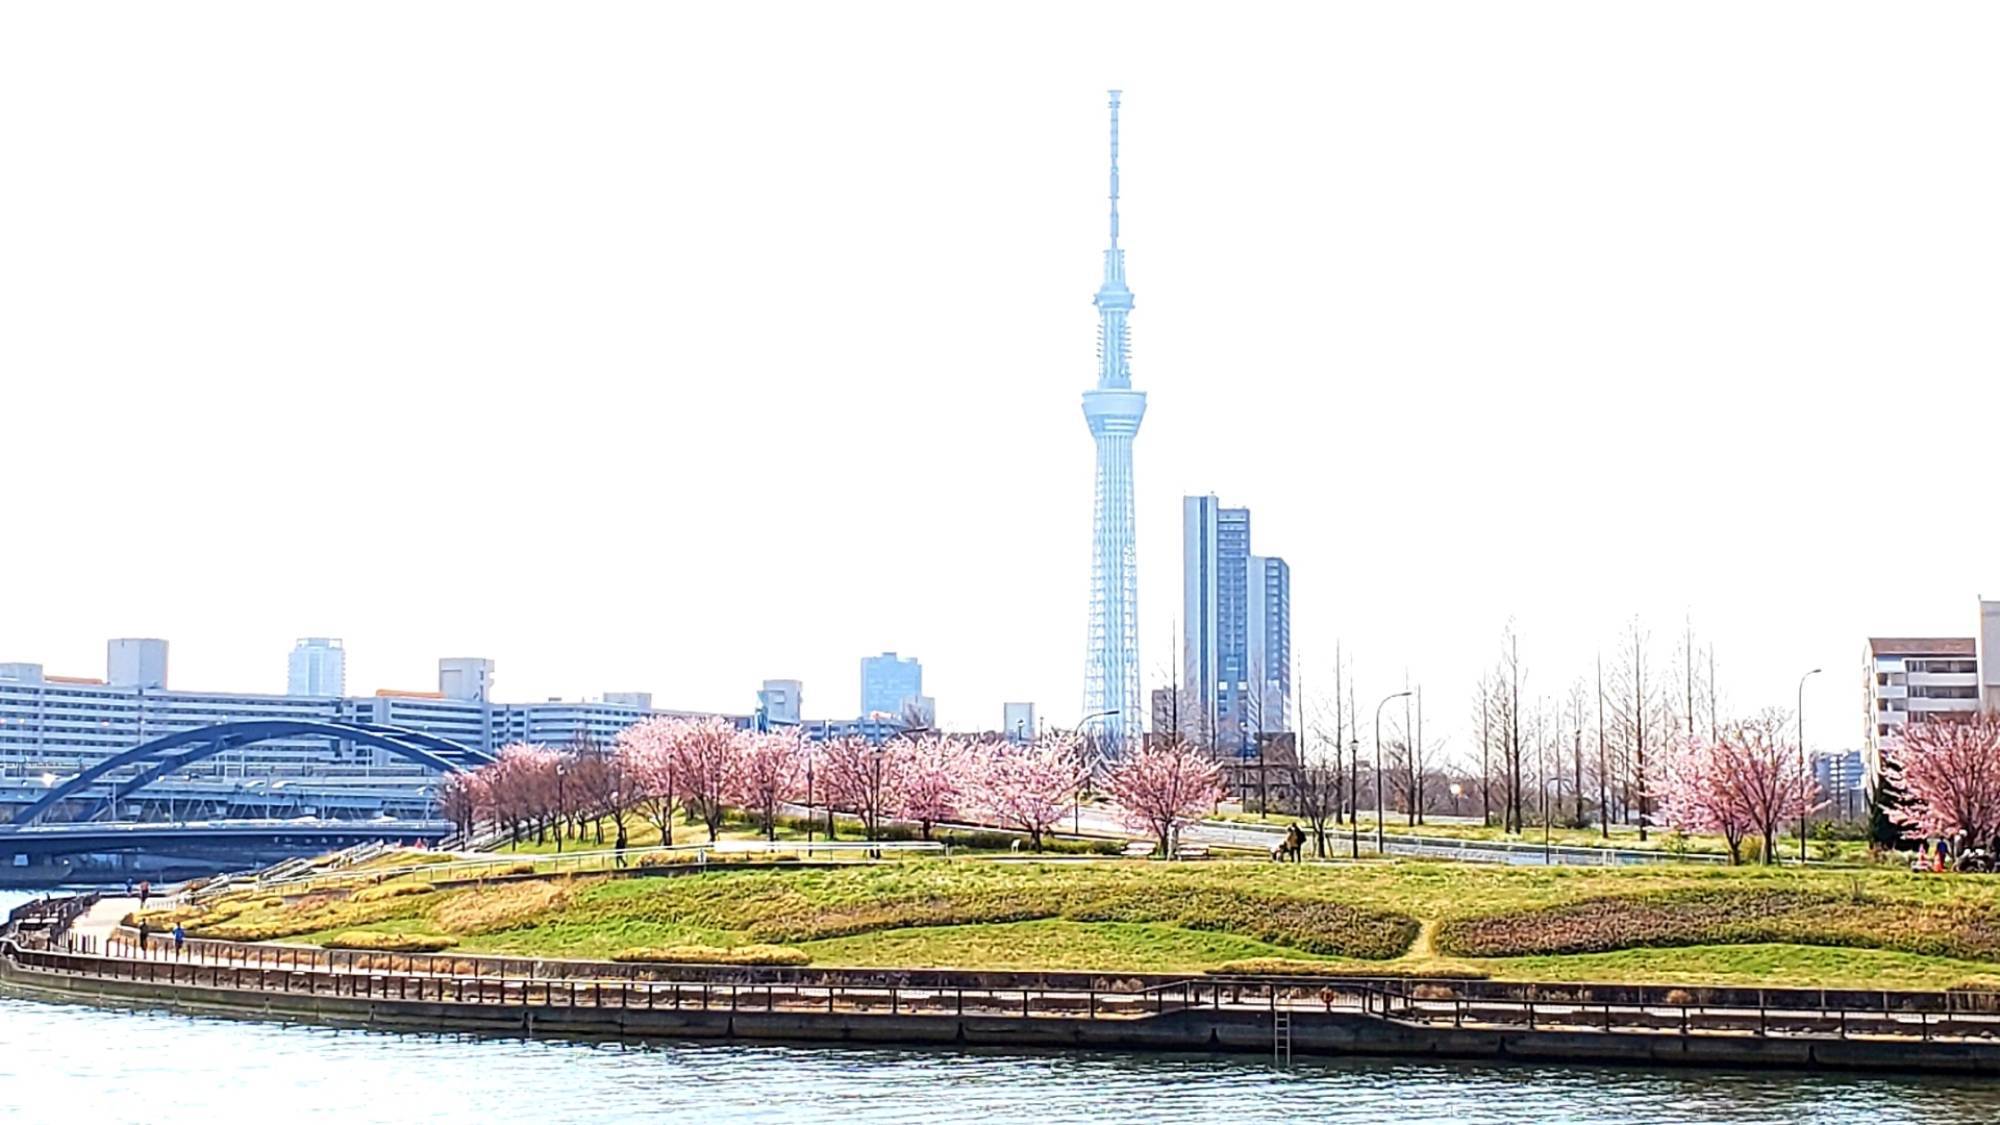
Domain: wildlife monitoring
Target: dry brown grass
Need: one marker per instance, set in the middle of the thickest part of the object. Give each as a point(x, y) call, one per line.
point(389, 943)
point(388, 891)
point(718, 955)
point(487, 910)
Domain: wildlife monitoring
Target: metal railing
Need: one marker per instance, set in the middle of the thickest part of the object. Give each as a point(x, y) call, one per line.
point(45, 922)
point(526, 982)
point(345, 974)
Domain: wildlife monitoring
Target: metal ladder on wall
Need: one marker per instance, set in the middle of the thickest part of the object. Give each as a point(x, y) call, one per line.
point(1281, 1038)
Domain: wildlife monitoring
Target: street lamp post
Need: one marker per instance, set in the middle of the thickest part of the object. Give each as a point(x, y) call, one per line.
point(1802, 764)
point(1378, 766)
point(1076, 797)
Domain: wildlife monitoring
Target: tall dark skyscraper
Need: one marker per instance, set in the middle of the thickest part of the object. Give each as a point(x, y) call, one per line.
point(1237, 610)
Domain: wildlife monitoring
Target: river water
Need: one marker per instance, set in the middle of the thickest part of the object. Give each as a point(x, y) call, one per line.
point(87, 1064)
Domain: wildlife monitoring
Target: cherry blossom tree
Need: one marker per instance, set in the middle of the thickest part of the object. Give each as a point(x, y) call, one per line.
point(1028, 786)
point(929, 779)
point(770, 772)
point(1748, 781)
point(858, 776)
point(463, 798)
point(522, 784)
point(646, 748)
point(707, 753)
point(1948, 773)
point(1692, 795)
point(1164, 787)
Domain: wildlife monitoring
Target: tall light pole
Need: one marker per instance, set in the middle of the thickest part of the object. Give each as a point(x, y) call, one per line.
point(1378, 766)
point(1802, 764)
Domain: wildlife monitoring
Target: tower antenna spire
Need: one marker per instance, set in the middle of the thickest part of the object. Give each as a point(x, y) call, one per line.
point(1114, 169)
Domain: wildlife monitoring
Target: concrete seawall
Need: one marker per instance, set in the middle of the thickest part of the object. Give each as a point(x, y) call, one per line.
point(1193, 1030)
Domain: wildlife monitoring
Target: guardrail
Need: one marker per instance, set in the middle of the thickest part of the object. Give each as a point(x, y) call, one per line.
point(46, 921)
point(586, 862)
point(350, 977)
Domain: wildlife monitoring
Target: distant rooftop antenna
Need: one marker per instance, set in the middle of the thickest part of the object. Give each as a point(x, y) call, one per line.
point(1114, 169)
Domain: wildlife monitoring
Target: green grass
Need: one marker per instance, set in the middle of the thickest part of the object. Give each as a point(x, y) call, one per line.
point(1818, 926)
point(1623, 836)
point(1770, 965)
point(1045, 944)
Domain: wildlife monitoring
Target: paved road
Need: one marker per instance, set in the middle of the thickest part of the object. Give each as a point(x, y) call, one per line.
point(1099, 821)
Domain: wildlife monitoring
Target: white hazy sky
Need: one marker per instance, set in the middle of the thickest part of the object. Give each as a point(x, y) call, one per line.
point(670, 347)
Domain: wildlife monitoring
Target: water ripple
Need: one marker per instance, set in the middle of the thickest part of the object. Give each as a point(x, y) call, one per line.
point(113, 1065)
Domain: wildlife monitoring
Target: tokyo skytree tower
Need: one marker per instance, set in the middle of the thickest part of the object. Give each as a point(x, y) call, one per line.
point(1113, 410)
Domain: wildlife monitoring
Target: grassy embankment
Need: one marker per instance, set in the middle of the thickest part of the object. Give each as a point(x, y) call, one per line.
point(1673, 924)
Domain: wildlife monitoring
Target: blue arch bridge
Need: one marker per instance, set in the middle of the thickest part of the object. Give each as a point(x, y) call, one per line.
point(33, 837)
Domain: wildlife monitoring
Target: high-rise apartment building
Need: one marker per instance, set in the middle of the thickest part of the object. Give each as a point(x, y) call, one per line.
point(465, 677)
point(782, 702)
point(1268, 645)
point(136, 662)
point(1989, 654)
point(1237, 611)
point(890, 684)
point(1017, 721)
point(1914, 679)
point(318, 666)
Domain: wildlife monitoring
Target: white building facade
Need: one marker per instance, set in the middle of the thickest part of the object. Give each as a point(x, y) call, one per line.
point(318, 666)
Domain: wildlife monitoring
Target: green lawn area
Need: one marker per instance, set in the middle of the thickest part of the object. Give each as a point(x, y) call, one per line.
point(1621, 836)
point(1668, 924)
point(1772, 965)
point(1044, 944)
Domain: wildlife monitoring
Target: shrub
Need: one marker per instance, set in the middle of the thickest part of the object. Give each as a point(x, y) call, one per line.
point(386, 891)
point(485, 910)
point(1733, 916)
point(718, 955)
point(186, 916)
point(664, 859)
point(1311, 925)
point(1288, 967)
point(389, 943)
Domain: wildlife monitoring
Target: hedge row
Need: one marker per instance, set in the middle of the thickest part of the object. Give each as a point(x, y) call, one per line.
point(390, 943)
point(1310, 925)
point(1727, 917)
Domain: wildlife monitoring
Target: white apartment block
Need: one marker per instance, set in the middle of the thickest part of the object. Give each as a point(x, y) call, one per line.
point(1914, 678)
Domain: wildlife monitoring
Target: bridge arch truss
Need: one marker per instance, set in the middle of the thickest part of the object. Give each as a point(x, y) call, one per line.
point(163, 755)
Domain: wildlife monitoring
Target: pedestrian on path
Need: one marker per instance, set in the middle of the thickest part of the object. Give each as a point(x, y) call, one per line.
point(144, 932)
point(145, 892)
point(180, 938)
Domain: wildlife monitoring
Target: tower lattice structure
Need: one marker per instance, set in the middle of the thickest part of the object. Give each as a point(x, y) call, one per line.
point(1113, 410)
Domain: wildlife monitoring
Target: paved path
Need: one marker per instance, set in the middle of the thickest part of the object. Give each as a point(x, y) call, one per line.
point(99, 921)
